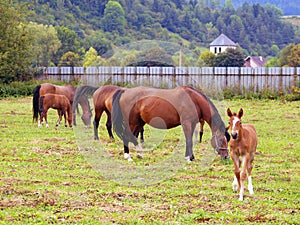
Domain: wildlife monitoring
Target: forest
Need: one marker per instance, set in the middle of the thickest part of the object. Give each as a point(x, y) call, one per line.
point(73, 32)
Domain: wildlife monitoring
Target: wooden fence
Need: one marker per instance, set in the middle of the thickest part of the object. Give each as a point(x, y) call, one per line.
point(220, 78)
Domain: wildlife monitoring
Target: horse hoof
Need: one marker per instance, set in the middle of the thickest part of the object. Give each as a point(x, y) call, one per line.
point(96, 138)
point(127, 156)
point(140, 156)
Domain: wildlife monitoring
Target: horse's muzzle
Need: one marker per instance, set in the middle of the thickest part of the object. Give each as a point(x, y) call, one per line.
point(234, 135)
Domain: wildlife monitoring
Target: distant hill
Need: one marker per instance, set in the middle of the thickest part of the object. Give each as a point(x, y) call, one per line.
point(288, 7)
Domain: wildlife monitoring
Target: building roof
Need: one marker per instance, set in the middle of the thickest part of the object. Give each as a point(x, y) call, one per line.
point(222, 40)
point(255, 61)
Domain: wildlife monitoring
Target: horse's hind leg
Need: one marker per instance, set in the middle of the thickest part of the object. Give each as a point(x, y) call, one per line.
point(109, 125)
point(249, 169)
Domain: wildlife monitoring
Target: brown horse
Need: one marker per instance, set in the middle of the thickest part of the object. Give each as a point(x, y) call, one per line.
point(69, 91)
point(59, 102)
point(165, 109)
point(243, 144)
point(102, 98)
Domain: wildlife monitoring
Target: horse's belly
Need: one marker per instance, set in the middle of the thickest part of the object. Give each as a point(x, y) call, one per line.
point(160, 114)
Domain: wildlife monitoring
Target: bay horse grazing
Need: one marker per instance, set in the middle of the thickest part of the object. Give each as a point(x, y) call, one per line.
point(165, 109)
point(102, 98)
point(242, 145)
point(59, 102)
point(69, 91)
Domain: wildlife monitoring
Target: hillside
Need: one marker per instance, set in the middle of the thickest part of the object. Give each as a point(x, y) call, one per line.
point(255, 28)
point(288, 7)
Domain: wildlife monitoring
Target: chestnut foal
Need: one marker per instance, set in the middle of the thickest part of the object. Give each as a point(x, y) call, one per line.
point(242, 144)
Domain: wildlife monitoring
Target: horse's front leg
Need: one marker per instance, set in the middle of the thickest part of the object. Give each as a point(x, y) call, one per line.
point(201, 129)
point(243, 176)
point(142, 135)
point(188, 130)
point(236, 179)
point(59, 117)
point(65, 117)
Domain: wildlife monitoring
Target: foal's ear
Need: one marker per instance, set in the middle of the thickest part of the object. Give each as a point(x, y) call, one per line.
point(241, 112)
point(229, 113)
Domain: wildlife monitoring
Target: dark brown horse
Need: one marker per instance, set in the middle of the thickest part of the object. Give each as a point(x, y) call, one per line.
point(165, 109)
point(242, 145)
point(59, 102)
point(69, 91)
point(102, 98)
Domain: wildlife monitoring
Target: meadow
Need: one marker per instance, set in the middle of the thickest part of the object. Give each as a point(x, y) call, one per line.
point(47, 177)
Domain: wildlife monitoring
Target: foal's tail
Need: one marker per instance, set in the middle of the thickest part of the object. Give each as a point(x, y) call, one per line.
point(120, 126)
point(35, 103)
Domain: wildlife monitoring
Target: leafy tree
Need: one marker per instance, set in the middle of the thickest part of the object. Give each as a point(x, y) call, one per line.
point(70, 59)
point(114, 17)
point(231, 57)
point(91, 58)
point(15, 52)
point(69, 41)
point(99, 42)
point(294, 56)
point(45, 43)
point(207, 58)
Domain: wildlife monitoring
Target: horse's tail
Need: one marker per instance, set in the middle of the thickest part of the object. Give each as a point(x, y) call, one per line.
point(82, 91)
point(41, 103)
point(35, 102)
point(120, 126)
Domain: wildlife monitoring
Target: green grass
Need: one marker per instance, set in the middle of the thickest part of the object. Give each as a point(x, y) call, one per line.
point(47, 177)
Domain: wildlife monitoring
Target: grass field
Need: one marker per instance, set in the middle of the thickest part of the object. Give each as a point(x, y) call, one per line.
point(47, 179)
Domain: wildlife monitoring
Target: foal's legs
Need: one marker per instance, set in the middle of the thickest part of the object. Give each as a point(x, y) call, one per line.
point(59, 112)
point(243, 175)
point(236, 163)
point(249, 170)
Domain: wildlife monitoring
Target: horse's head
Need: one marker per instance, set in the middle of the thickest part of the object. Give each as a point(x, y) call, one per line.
point(235, 122)
point(86, 117)
point(219, 142)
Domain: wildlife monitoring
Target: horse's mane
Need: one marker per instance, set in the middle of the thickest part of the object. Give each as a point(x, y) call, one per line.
point(216, 118)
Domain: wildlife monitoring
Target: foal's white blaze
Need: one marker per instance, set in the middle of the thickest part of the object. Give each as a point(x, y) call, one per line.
point(235, 120)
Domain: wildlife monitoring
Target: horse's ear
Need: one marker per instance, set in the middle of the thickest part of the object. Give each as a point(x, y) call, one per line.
point(229, 113)
point(241, 112)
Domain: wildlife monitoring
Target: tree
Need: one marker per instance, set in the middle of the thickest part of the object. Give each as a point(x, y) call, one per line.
point(290, 56)
point(231, 57)
point(69, 41)
point(70, 59)
point(208, 58)
point(114, 18)
point(45, 43)
point(15, 52)
point(91, 58)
